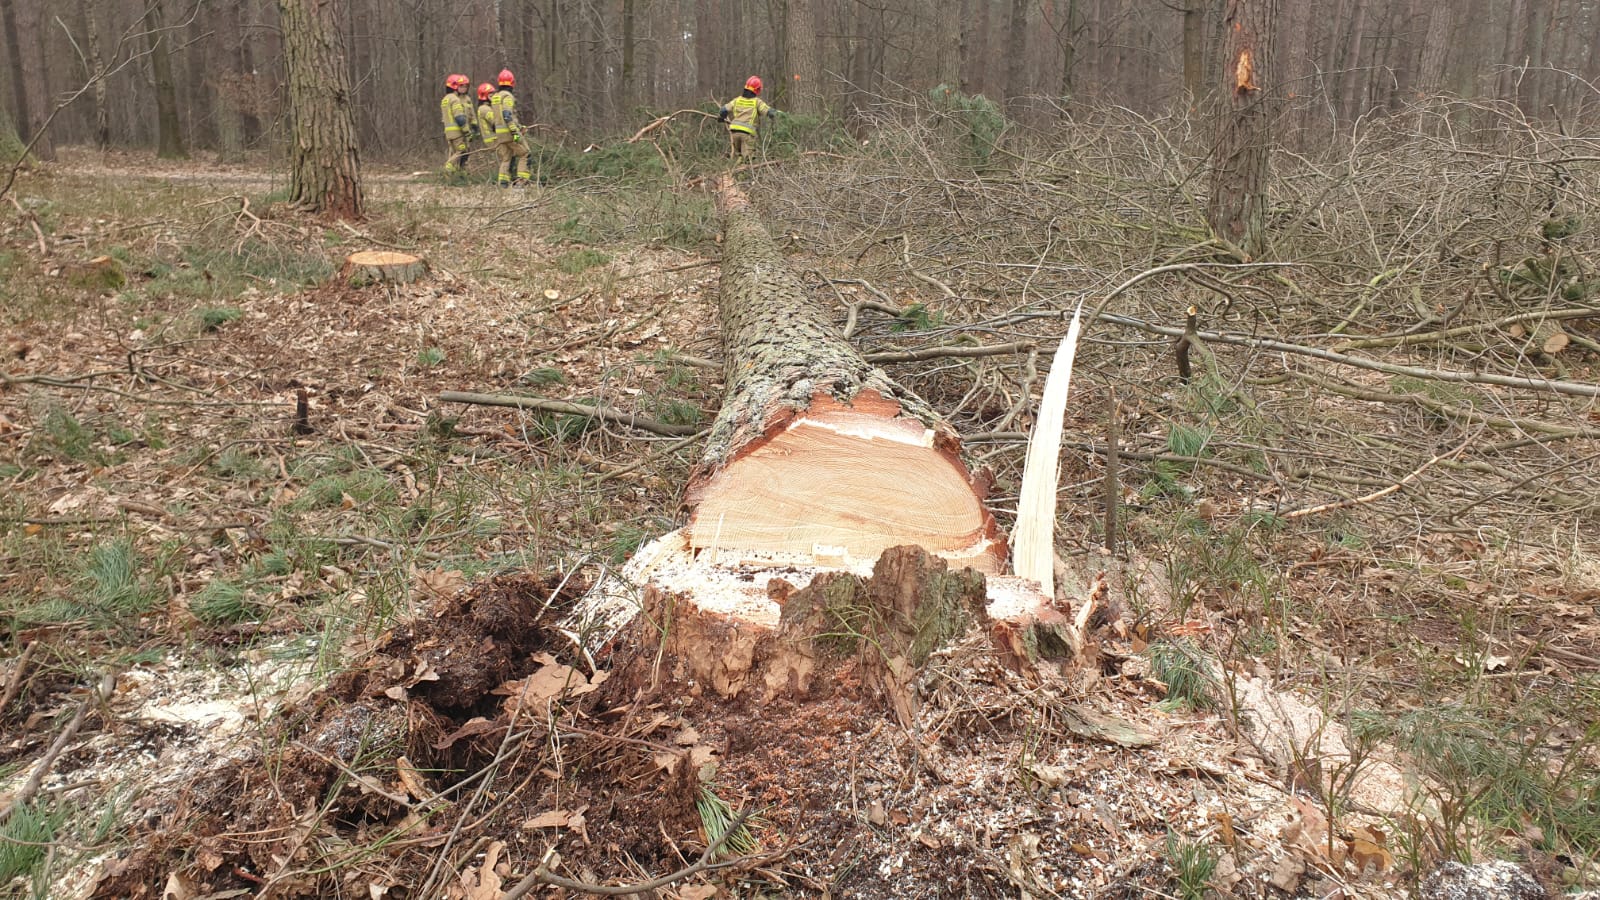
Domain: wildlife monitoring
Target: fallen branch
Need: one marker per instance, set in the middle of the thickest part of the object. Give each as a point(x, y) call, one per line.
point(1375, 495)
point(14, 685)
point(657, 123)
point(32, 220)
point(957, 350)
point(604, 413)
point(1571, 388)
point(925, 278)
point(25, 795)
point(1404, 340)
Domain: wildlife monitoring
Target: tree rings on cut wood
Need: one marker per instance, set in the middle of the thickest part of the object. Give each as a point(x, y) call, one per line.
point(382, 267)
point(1547, 336)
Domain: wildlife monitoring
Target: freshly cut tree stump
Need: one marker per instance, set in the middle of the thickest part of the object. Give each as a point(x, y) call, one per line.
point(382, 267)
point(817, 457)
point(830, 503)
point(1547, 336)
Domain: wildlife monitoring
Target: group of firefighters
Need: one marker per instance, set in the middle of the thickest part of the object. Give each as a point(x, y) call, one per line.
point(494, 122)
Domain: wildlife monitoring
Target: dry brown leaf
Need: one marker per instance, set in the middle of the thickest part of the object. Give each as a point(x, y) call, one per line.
point(555, 818)
point(483, 883)
point(1368, 849)
point(1225, 831)
point(686, 737)
point(1286, 874)
point(178, 888)
point(697, 892)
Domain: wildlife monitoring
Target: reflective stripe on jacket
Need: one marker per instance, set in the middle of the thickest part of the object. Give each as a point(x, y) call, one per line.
point(505, 118)
point(743, 113)
point(455, 112)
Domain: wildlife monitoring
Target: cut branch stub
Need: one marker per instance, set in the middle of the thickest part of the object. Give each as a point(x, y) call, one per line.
point(382, 267)
point(817, 457)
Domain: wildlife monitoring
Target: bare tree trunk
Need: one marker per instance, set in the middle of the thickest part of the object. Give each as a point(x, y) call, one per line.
point(1511, 55)
point(1352, 79)
point(805, 68)
point(628, 87)
point(1194, 41)
point(707, 74)
point(25, 46)
point(1435, 45)
point(1237, 210)
point(88, 11)
point(947, 62)
point(1017, 51)
point(326, 164)
point(170, 130)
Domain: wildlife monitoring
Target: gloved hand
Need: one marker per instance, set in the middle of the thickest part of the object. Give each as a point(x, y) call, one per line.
point(461, 121)
point(476, 131)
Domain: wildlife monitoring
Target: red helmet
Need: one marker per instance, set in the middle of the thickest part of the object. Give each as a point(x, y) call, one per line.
point(753, 84)
point(456, 82)
point(507, 79)
point(485, 91)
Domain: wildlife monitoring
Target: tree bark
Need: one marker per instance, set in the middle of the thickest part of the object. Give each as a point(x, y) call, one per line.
point(629, 74)
point(805, 67)
point(169, 129)
point(29, 80)
point(1237, 209)
point(707, 75)
point(1194, 42)
point(947, 30)
point(1435, 45)
point(1017, 51)
point(325, 163)
point(816, 453)
point(88, 12)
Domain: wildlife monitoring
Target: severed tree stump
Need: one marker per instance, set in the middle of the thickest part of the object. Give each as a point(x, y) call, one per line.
point(831, 503)
point(382, 267)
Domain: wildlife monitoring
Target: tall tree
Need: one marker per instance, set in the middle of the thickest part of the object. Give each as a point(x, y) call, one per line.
point(707, 72)
point(325, 174)
point(29, 89)
point(167, 124)
point(88, 13)
point(1017, 50)
point(805, 66)
point(1435, 44)
point(1238, 205)
point(1194, 48)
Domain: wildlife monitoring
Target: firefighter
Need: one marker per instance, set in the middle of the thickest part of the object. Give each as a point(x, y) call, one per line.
point(455, 111)
point(508, 132)
point(743, 115)
point(483, 124)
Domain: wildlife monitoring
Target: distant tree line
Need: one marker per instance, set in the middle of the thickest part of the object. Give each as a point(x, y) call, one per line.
point(209, 74)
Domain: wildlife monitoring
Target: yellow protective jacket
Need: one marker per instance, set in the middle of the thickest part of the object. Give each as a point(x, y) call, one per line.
point(486, 119)
point(505, 116)
point(745, 112)
point(455, 111)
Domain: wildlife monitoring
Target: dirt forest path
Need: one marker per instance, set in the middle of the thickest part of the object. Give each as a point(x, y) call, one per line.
point(341, 618)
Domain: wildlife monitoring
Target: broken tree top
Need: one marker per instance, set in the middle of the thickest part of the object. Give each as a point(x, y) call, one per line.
point(817, 457)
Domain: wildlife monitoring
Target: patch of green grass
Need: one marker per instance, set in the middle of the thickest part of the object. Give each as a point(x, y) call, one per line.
point(917, 317)
point(362, 486)
point(1186, 671)
point(223, 603)
point(543, 376)
point(1188, 440)
point(574, 262)
point(717, 817)
point(68, 438)
point(25, 840)
point(678, 412)
point(559, 426)
point(1192, 864)
point(428, 357)
point(214, 317)
point(114, 576)
point(237, 462)
point(685, 221)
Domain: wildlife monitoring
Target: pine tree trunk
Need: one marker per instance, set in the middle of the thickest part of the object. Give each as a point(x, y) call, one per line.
point(805, 68)
point(1237, 209)
point(169, 130)
point(628, 87)
point(707, 74)
point(1017, 51)
point(326, 166)
point(29, 84)
point(947, 61)
point(88, 11)
point(1435, 44)
point(815, 453)
point(1194, 47)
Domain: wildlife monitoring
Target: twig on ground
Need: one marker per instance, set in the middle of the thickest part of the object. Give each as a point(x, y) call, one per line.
point(18, 674)
point(30, 788)
point(32, 220)
point(1375, 495)
point(605, 413)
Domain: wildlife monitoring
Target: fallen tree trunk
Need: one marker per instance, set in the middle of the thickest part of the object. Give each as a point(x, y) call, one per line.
point(831, 504)
point(817, 456)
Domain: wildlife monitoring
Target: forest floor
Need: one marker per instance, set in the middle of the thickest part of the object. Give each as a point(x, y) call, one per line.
point(297, 661)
